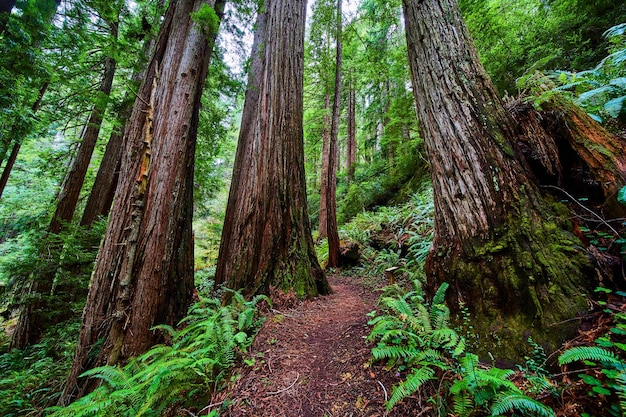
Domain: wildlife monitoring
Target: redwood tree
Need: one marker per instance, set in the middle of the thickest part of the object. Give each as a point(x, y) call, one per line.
point(144, 270)
point(498, 241)
point(333, 146)
point(266, 240)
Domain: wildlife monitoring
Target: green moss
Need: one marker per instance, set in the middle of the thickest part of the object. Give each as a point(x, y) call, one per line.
point(207, 19)
point(528, 280)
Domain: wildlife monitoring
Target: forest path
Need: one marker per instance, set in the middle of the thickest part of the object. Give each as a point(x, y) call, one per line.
point(312, 360)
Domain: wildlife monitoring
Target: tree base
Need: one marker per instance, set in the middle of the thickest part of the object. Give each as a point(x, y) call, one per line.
point(530, 280)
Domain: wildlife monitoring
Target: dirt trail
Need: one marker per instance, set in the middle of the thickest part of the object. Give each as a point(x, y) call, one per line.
point(312, 361)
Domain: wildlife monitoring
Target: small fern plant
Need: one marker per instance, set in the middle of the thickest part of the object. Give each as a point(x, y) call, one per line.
point(415, 338)
point(197, 361)
point(488, 390)
point(607, 355)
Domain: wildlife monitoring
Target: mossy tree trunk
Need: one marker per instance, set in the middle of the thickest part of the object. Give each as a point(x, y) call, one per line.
point(498, 240)
point(144, 270)
point(266, 240)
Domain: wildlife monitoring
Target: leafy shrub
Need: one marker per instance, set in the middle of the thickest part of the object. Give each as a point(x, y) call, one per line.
point(197, 362)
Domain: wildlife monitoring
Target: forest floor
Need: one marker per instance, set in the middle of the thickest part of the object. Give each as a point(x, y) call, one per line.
point(311, 359)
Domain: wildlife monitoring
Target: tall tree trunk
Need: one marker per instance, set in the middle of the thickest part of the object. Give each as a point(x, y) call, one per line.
point(331, 189)
point(144, 270)
point(323, 217)
point(497, 241)
point(266, 241)
point(103, 190)
point(73, 183)
point(351, 143)
point(104, 186)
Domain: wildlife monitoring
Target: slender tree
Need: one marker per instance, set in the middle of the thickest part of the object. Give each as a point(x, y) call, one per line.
point(333, 147)
point(351, 140)
point(323, 217)
point(144, 270)
point(498, 240)
point(266, 240)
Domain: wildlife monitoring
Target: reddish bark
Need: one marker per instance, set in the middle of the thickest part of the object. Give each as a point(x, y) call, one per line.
point(144, 270)
point(266, 240)
point(497, 241)
point(323, 218)
point(331, 186)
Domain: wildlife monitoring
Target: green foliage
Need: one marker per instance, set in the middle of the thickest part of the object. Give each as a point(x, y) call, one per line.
point(621, 195)
point(518, 37)
point(601, 91)
point(489, 390)
point(207, 19)
point(606, 367)
point(410, 336)
point(30, 378)
point(416, 339)
point(197, 362)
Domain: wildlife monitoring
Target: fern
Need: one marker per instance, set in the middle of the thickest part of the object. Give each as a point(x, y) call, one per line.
point(414, 336)
point(584, 353)
point(410, 385)
point(507, 403)
point(200, 355)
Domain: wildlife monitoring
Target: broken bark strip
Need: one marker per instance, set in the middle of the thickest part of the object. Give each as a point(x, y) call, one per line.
point(568, 149)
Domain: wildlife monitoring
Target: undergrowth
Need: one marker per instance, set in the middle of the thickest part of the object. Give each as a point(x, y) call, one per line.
point(416, 341)
point(182, 374)
point(393, 236)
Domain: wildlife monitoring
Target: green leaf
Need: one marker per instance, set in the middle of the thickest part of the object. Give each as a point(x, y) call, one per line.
point(621, 195)
point(581, 353)
point(614, 106)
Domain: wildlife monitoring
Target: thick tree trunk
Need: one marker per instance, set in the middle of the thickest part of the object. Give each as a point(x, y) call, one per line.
point(323, 218)
point(351, 142)
point(266, 241)
point(331, 186)
point(499, 244)
point(144, 270)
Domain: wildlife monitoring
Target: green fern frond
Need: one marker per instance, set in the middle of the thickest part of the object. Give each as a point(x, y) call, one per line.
point(114, 376)
point(462, 404)
point(527, 406)
point(439, 316)
point(441, 293)
point(587, 353)
point(444, 338)
point(394, 352)
point(413, 382)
